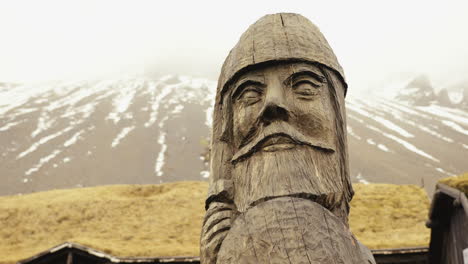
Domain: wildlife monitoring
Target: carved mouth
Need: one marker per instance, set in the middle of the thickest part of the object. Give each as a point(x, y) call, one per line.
point(276, 143)
point(274, 138)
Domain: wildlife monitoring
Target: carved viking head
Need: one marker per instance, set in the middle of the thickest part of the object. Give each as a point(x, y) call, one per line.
point(279, 126)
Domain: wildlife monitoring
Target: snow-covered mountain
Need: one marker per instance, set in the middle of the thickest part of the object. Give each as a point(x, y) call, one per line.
point(143, 130)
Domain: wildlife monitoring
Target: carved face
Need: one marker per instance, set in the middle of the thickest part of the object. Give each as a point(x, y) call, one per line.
point(284, 135)
point(279, 107)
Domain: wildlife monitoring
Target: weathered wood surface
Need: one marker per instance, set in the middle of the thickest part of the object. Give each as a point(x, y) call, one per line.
point(448, 220)
point(289, 230)
point(279, 184)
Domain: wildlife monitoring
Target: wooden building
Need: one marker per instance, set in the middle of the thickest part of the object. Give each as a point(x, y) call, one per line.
point(448, 220)
point(72, 253)
point(416, 255)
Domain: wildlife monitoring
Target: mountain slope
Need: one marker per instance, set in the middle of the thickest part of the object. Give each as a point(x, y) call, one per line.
point(142, 130)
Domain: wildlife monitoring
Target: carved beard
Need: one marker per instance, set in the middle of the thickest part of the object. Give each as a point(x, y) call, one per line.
point(302, 171)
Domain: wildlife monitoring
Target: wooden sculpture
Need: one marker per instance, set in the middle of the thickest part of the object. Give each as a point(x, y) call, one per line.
point(279, 185)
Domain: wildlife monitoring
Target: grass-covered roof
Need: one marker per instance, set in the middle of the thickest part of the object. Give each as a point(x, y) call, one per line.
point(165, 220)
point(458, 182)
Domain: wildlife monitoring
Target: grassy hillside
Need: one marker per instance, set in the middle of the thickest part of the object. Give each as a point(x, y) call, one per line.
point(165, 220)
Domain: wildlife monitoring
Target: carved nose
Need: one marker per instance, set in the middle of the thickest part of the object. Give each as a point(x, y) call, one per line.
point(274, 112)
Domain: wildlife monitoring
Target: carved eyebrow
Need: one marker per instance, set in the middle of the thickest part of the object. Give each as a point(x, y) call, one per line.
point(244, 83)
point(308, 73)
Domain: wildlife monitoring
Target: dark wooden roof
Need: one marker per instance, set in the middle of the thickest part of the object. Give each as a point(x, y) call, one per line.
point(416, 255)
point(73, 253)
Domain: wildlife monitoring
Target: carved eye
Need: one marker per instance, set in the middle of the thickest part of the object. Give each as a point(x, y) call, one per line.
point(250, 95)
point(305, 89)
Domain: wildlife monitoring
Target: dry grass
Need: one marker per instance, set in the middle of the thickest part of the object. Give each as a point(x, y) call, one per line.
point(458, 182)
point(390, 216)
point(165, 220)
point(123, 220)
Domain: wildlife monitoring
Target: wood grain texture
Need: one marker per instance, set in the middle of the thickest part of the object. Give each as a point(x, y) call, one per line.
point(279, 185)
point(289, 230)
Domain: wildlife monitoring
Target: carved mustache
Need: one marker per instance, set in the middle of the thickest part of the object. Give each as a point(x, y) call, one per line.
point(279, 129)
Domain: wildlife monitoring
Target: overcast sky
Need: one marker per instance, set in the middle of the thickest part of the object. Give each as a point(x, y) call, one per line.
point(373, 40)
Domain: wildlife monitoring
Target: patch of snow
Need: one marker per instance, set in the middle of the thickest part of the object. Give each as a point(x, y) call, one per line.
point(42, 162)
point(432, 132)
point(160, 159)
point(444, 172)
point(156, 101)
point(209, 116)
point(177, 109)
point(161, 155)
point(445, 112)
point(406, 144)
point(73, 139)
point(404, 108)
point(123, 100)
point(370, 141)
point(361, 179)
point(209, 110)
point(10, 125)
point(43, 123)
point(455, 126)
point(383, 147)
point(397, 114)
point(354, 107)
point(351, 132)
point(386, 123)
point(73, 93)
point(85, 111)
point(205, 174)
point(128, 115)
point(66, 159)
point(42, 141)
point(121, 135)
point(22, 111)
point(17, 96)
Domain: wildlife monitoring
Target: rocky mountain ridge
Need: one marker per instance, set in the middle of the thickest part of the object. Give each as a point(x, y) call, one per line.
point(420, 92)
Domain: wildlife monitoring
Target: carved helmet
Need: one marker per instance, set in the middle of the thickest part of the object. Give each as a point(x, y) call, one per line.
point(278, 37)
